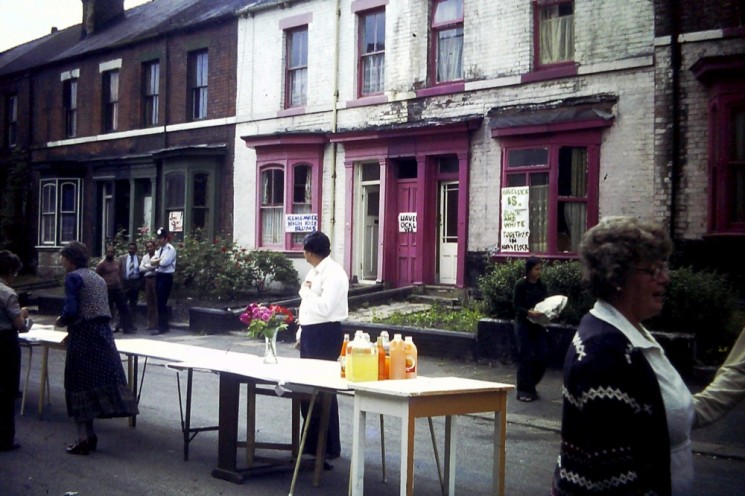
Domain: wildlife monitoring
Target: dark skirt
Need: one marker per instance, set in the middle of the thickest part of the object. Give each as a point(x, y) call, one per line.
point(95, 384)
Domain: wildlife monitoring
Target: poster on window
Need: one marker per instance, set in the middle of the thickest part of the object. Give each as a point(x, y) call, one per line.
point(301, 223)
point(515, 225)
point(407, 222)
point(176, 222)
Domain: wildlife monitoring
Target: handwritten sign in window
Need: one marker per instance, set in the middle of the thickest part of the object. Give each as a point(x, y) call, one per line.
point(176, 221)
point(300, 223)
point(515, 220)
point(407, 222)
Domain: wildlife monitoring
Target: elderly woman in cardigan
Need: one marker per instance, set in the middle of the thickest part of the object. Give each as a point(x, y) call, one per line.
point(627, 413)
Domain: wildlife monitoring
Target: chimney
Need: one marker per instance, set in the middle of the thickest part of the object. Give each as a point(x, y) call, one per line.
point(97, 13)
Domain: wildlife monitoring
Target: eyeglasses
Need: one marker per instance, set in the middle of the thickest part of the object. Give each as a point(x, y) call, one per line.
point(656, 271)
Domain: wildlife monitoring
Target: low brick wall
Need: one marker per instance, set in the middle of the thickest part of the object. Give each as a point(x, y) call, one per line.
point(496, 340)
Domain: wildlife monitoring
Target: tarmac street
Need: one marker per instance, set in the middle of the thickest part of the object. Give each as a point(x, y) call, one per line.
point(148, 459)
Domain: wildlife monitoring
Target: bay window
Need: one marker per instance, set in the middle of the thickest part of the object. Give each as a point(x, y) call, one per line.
point(561, 178)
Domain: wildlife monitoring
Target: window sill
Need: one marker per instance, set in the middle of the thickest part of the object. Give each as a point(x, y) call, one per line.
point(367, 100)
point(289, 112)
point(550, 72)
point(503, 256)
point(442, 89)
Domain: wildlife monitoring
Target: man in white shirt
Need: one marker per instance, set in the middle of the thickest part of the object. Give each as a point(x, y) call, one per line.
point(131, 282)
point(322, 308)
point(165, 263)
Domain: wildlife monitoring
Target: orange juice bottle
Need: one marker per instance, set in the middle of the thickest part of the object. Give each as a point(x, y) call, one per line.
point(398, 358)
point(381, 360)
point(343, 355)
point(387, 349)
point(411, 357)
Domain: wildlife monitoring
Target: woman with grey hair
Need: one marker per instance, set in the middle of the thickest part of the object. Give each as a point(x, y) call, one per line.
point(627, 413)
point(95, 384)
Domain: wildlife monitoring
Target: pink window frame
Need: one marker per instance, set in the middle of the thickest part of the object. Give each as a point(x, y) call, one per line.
point(559, 69)
point(286, 152)
point(434, 29)
point(360, 55)
point(589, 139)
point(721, 109)
point(288, 71)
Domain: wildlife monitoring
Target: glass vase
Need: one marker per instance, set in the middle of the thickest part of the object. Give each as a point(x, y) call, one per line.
point(270, 351)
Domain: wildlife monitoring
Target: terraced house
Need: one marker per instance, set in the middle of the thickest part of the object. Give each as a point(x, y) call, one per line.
point(418, 134)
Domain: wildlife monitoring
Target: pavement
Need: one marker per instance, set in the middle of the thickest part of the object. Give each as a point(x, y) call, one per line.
point(148, 459)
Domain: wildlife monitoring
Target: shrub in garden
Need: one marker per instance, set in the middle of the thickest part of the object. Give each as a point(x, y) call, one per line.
point(702, 303)
point(268, 267)
point(565, 278)
point(497, 285)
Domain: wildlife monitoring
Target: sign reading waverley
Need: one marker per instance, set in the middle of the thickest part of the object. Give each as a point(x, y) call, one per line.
point(300, 223)
point(515, 225)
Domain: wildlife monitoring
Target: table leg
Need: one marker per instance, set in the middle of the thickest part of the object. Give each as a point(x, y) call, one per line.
point(44, 378)
point(28, 371)
point(357, 471)
point(451, 446)
point(250, 423)
point(323, 431)
point(187, 422)
point(132, 372)
point(227, 437)
point(408, 423)
point(500, 429)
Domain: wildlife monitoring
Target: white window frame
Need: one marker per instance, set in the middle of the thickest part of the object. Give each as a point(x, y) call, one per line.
point(52, 235)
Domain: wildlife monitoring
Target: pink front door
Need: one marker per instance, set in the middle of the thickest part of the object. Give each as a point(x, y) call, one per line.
point(406, 249)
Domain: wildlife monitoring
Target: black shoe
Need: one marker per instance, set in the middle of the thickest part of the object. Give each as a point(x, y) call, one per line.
point(10, 447)
point(79, 448)
point(327, 466)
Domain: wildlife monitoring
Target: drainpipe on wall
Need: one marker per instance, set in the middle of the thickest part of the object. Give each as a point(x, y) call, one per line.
point(334, 118)
point(675, 63)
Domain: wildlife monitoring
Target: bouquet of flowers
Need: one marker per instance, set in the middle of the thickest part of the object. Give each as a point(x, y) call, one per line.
point(265, 320)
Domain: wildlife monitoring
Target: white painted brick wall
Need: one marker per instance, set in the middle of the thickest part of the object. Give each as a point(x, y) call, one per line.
point(498, 42)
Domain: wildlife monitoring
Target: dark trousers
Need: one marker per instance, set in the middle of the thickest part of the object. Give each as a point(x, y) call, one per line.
point(532, 355)
point(10, 373)
point(131, 288)
point(163, 285)
point(118, 305)
point(322, 341)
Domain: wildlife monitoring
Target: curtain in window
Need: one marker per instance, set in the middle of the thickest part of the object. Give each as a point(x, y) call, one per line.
point(556, 36)
point(272, 203)
point(374, 73)
point(538, 212)
point(575, 214)
point(298, 87)
point(450, 55)
point(48, 210)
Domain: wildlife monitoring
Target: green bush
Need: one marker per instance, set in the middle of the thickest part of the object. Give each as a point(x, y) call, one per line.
point(218, 269)
point(702, 303)
point(565, 278)
point(497, 285)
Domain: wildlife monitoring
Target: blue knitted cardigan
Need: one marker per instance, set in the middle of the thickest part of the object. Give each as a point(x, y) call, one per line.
point(614, 428)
